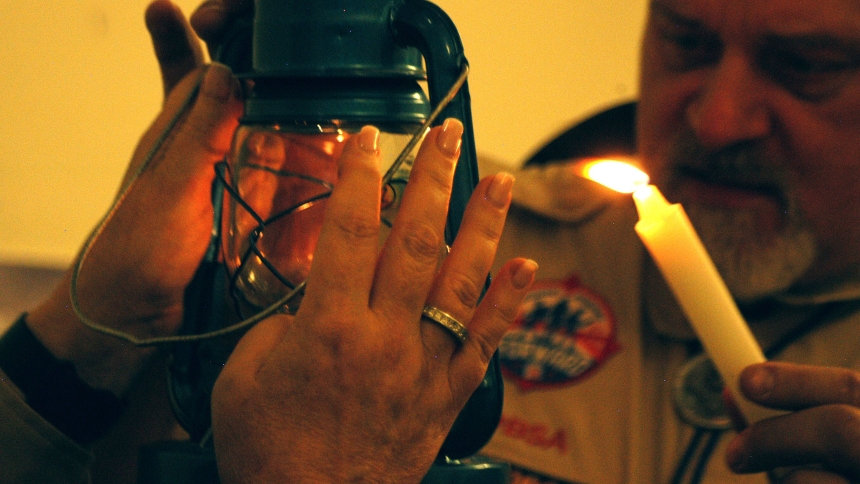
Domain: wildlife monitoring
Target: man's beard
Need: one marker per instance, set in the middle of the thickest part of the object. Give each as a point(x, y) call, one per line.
point(753, 264)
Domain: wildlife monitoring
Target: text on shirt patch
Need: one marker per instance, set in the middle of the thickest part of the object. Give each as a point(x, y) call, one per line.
point(534, 434)
point(564, 332)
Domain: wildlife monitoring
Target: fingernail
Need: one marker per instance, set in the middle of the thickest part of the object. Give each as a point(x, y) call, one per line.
point(760, 381)
point(218, 82)
point(524, 274)
point(499, 191)
point(368, 139)
point(450, 138)
point(735, 458)
point(212, 5)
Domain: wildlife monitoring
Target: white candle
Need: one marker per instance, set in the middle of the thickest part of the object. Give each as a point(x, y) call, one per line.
point(691, 275)
point(679, 254)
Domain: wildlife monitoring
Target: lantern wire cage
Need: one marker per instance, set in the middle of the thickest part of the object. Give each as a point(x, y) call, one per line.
point(294, 290)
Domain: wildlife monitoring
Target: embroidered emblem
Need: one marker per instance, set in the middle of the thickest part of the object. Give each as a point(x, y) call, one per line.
point(534, 434)
point(563, 333)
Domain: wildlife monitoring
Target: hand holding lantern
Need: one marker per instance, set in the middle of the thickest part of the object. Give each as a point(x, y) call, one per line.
point(491, 317)
point(359, 73)
point(319, 73)
point(375, 378)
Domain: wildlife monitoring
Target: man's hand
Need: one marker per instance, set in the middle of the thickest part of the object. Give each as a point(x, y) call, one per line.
point(819, 440)
point(357, 387)
point(135, 275)
point(177, 49)
point(212, 18)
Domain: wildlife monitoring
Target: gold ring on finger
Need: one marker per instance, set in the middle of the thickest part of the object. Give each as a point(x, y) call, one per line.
point(447, 321)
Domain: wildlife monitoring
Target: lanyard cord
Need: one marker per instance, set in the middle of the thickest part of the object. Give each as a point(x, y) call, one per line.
point(824, 314)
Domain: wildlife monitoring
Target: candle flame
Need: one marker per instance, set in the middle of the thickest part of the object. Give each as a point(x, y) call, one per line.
point(618, 175)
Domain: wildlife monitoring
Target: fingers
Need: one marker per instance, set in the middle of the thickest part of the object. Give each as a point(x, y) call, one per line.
point(461, 281)
point(163, 225)
point(212, 18)
point(345, 257)
point(491, 320)
point(808, 476)
point(203, 137)
point(204, 133)
point(411, 253)
point(827, 435)
point(176, 47)
point(793, 387)
point(737, 417)
point(824, 429)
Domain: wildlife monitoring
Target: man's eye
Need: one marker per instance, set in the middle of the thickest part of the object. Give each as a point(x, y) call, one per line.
point(688, 42)
point(809, 76)
point(800, 65)
point(689, 50)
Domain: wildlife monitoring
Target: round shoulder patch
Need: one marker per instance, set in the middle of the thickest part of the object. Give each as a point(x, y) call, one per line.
point(564, 332)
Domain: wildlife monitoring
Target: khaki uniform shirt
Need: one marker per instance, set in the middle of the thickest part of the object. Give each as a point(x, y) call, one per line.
point(592, 360)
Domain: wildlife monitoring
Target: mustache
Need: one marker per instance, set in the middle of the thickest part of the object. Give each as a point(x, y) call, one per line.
point(743, 165)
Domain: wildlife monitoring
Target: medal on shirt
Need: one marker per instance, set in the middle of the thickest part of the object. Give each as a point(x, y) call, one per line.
point(698, 395)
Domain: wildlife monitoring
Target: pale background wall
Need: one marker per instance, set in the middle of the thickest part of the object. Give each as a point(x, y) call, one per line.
point(80, 85)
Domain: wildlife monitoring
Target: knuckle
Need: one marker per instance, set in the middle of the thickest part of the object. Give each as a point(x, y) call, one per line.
point(492, 233)
point(422, 242)
point(469, 377)
point(332, 338)
point(494, 326)
point(486, 348)
point(355, 226)
point(849, 388)
point(442, 177)
point(465, 289)
point(204, 137)
point(346, 340)
point(507, 311)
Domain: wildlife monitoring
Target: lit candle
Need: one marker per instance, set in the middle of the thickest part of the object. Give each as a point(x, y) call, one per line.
point(690, 273)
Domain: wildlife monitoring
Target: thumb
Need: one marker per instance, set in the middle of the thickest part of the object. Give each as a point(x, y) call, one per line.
point(204, 136)
point(176, 47)
point(203, 130)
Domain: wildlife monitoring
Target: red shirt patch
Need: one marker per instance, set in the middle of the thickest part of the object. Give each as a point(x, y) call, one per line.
point(563, 333)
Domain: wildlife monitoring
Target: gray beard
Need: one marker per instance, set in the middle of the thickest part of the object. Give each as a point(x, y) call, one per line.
point(752, 266)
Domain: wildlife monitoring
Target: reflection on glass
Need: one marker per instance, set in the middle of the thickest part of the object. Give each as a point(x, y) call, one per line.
point(278, 181)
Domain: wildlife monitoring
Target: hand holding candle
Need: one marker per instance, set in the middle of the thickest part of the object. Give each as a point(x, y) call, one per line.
point(690, 273)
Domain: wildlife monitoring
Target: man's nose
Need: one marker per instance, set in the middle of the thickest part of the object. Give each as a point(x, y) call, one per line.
point(732, 104)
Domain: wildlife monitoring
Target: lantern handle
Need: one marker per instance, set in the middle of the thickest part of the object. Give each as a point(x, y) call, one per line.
point(425, 26)
point(421, 24)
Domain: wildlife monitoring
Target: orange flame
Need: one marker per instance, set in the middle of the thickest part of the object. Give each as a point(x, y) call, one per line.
point(620, 176)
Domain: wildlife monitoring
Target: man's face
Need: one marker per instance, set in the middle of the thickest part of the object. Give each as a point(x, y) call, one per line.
point(750, 116)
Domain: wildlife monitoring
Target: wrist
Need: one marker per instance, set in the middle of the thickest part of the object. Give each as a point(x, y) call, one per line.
point(51, 387)
point(101, 361)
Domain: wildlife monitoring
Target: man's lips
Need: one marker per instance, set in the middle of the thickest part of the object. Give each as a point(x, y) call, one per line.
point(729, 196)
point(766, 202)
